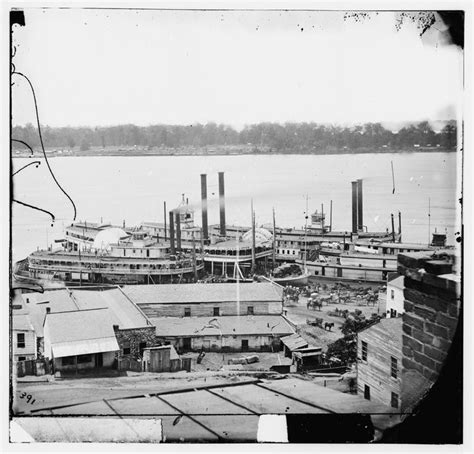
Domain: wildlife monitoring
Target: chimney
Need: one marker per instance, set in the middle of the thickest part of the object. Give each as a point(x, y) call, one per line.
point(222, 202)
point(204, 205)
point(354, 207)
point(360, 217)
point(48, 310)
point(172, 247)
point(178, 230)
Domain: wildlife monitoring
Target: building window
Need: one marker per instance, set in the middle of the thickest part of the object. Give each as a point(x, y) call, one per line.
point(394, 400)
point(20, 340)
point(250, 310)
point(84, 359)
point(126, 349)
point(393, 313)
point(393, 367)
point(68, 361)
point(364, 351)
point(367, 392)
point(216, 312)
point(392, 294)
point(187, 312)
point(22, 358)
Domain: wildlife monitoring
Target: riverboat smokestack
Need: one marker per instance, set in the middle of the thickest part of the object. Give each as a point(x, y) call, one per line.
point(178, 230)
point(172, 245)
point(360, 216)
point(164, 217)
point(399, 227)
point(205, 231)
point(222, 202)
point(354, 207)
point(393, 229)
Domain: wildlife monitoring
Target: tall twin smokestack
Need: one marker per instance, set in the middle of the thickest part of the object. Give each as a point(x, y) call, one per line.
point(357, 207)
point(222, 202)
point(205, 226)
point(205, 230)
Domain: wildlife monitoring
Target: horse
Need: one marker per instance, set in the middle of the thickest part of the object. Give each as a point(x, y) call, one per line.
point(328, 325)
point(312, 304)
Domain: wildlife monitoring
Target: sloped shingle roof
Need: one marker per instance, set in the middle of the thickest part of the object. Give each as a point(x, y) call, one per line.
point(265, 325)
point(202, 293)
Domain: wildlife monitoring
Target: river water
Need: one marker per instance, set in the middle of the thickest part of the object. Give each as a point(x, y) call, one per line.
point(134, 188)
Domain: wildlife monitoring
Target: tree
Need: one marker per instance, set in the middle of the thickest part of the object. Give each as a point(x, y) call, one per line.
point(345, 348)
point(85, 145)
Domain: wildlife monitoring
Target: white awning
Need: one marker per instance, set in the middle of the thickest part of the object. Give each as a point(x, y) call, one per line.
point(85, 347)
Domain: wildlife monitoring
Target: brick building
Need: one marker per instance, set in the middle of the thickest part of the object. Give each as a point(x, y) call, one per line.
point(432, 307)
point(399, 359)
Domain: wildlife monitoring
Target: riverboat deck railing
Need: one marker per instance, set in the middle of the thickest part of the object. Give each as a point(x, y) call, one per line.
point(114, 269)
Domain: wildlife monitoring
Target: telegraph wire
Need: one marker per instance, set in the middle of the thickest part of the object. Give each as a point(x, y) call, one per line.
point(44, 152)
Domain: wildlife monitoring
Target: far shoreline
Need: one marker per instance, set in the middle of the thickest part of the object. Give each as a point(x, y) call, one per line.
point(211, 151)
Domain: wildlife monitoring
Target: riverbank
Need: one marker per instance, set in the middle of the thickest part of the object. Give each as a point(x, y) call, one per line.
point(225, 150)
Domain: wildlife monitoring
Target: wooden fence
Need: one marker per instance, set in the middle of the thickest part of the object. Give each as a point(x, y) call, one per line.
point(33, 367)
point(129, 364)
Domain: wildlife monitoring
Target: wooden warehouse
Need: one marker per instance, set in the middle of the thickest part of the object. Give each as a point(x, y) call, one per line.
point(231, 333)
point(206, 300)
point(379, 357)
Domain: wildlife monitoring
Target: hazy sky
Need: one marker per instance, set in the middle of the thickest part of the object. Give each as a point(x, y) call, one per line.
point(105, 67)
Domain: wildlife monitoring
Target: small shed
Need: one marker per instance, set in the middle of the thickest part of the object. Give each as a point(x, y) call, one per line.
point(162, 359)
point(293, 343)
point(307, 358)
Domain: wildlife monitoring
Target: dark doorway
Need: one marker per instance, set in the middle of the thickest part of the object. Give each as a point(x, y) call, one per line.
point(99, 361)
point(187, 343)
point(245, 345)
point(367, 392)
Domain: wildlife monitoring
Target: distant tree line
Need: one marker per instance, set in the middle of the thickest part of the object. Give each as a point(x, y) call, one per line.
point(288, 137)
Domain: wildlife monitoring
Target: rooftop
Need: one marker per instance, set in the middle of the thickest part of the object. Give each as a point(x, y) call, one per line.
point(398, 282)
point(21, 322)
point(230, 411)
point(233, 325)
point(294, 341)
point(202, 293)
point(79, 332)
point(79, 325)
point(123, 311)
point(440, 268)
point(392, 327)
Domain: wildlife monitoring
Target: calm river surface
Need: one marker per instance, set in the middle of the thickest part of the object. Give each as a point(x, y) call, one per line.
point(134, 188)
